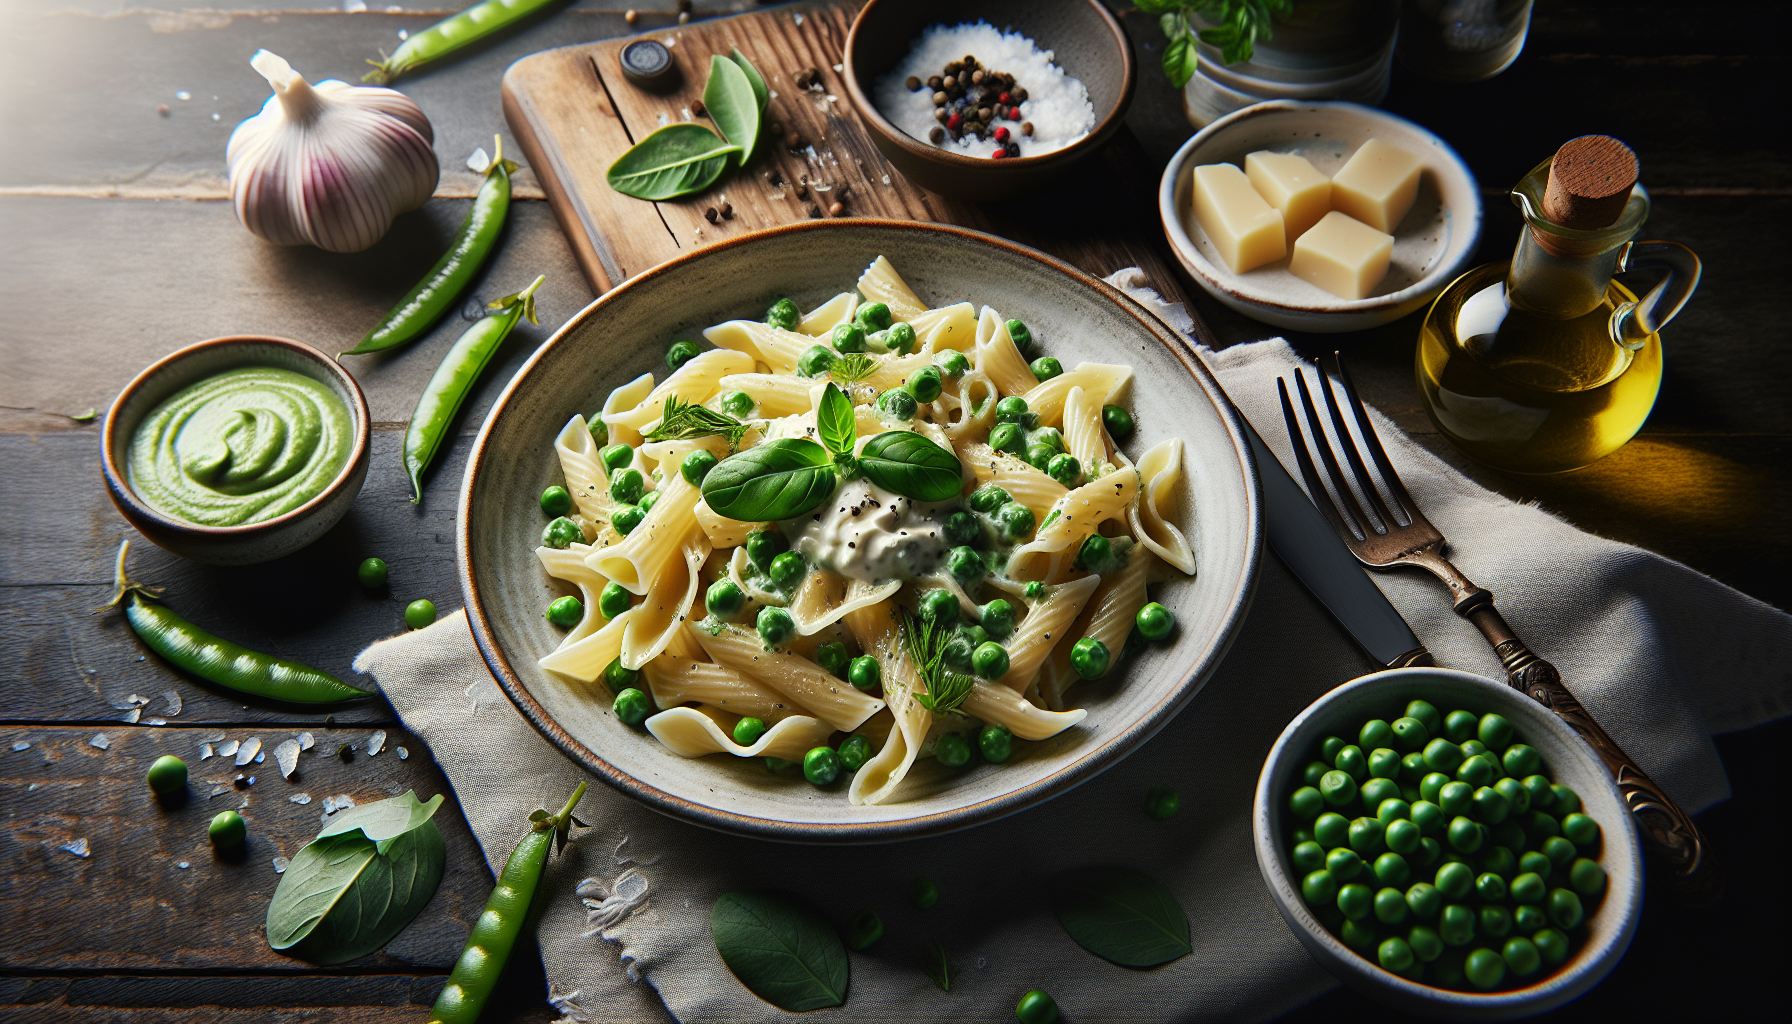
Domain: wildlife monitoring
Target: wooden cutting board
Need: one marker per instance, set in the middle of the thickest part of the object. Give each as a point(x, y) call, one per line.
point(574, 113)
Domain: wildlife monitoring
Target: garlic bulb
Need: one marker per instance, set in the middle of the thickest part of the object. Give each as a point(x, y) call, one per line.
point(329, 164)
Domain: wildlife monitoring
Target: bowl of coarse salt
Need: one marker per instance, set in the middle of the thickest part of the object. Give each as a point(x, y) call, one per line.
point(984, 100)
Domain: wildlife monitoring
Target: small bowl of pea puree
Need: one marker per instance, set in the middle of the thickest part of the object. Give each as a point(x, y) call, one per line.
point(1446, 845)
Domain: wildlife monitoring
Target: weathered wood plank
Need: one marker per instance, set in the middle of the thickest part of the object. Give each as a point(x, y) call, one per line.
point(209, 914)
point(255, 998)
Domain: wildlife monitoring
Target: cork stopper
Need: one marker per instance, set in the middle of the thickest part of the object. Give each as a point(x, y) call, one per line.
point(1589, 182)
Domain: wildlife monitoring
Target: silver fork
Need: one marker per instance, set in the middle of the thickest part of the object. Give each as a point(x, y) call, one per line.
point(1381, 540)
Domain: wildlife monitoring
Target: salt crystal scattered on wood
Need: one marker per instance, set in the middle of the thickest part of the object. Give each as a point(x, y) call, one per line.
point(155, 721)
point(246, 753)
point(205, 751)
point(280, 865)
point(287, 756)
point(306, 741)
point(376, 742)
point(78, 848)
point(174, 702)
point(215, 737)
point(139, 700)
point(479, 161)
point(300, 798)
point(403, 753)
point(132, 715)
point(100, 740)
point(263, 756)
point(227, 748)
point(22, 745)
point(183, 865)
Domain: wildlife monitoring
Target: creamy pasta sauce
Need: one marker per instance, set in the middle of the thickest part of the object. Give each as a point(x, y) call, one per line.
point(868, 533)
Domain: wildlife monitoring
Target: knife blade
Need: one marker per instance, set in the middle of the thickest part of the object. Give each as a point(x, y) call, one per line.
point(1304, 541)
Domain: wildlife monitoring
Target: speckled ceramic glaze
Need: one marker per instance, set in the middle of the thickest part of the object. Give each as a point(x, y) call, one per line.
point(1432, 245)
point(625, 334)
point(249, 543)
point(1567, 760)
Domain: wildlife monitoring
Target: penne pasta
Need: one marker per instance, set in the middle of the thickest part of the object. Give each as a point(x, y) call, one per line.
point(821, 321)
point(1046, 625)
point(807, 684)
point(1161, 470)
point(881, 283)
point(689, 732)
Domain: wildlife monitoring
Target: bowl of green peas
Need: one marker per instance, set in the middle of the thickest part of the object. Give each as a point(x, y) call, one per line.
point(1446, 845)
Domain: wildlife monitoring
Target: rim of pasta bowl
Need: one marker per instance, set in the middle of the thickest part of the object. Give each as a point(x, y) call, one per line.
point(1193, 666)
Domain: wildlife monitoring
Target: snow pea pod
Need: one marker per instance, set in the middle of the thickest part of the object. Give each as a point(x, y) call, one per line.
point(442, 286)
point(462, 366)
point(217, 660)
point(481, 963)
point(450, 34)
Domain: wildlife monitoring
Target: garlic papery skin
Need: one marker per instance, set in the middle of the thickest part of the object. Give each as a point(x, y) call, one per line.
point(329, 164)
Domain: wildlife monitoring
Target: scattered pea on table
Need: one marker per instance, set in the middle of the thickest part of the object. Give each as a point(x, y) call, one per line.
point(371, 573)
point(167, 776)
point(420, 613)
point(228, 830)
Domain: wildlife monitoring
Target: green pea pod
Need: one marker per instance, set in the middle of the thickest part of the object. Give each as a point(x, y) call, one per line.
point(217, 660)
point(442, 286)
point(481, 963)
point(450, 34)
point(462, 366)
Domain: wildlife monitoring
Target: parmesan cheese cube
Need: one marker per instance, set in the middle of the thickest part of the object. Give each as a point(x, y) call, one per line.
point(1342, 255)
point(1378, 185)
point(1245, 229)
point(1294, 187)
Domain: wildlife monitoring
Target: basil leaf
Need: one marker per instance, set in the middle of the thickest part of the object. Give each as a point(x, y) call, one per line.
point(733, 104)
point(912, 466)
point(678, 160)
point(760, 91)
point(1121, 914)
point(342, 898)
point(777, 948)
point(1179, 59)
point(835, 421)
point(383, 819)
point(776, 480)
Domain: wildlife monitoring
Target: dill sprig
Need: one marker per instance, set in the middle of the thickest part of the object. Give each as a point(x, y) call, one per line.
point(683, 421)
point(852, 367)
point(939, 967)
point(925, 641)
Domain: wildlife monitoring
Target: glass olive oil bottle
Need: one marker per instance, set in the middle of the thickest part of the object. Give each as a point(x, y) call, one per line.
point(1545, 364)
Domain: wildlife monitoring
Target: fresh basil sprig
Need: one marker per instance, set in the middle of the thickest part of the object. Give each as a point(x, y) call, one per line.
point(1237, 25)
point(683, 158)
point(789, 476)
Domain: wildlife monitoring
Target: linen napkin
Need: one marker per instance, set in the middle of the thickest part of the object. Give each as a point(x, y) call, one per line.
point(1661, 655)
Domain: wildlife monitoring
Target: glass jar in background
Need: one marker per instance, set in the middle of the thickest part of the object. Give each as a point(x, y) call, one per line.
point(1321, 50)
point(1461, 40)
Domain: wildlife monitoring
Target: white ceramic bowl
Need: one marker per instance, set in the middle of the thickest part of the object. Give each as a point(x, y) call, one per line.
point(1431, 246)
point(1567, 760)
point(625, 333)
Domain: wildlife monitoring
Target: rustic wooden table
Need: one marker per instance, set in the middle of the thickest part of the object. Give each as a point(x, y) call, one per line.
point(117, 250)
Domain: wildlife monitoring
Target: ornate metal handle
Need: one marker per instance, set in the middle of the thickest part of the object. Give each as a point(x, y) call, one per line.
point(1669, 835)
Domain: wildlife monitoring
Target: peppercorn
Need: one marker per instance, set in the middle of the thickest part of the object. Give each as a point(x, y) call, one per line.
point(1000, 154)
point(1026, 129)
point(802, 187)
point(698, 108)
point(913, 83)
point(1014, 149)
point(940, 114)
point(935, 82)
point(836, 209)
point(1020, 95)
point(977, 77)
point(953, 67)
point(1005, 99)
point(1001, 134)
point(793, 140)
point(955, 121)
point(1013, 115)
point(711, 215)
point(951, 83)
point(727, 211)
point(983, 113)
point(812, 210)
point(937, 136)
point(939, 99)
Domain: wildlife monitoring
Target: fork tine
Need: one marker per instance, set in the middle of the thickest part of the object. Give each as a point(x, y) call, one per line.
point(1346, 500)
point(1308, 471)
point(1348, 444)
point(1376, 451)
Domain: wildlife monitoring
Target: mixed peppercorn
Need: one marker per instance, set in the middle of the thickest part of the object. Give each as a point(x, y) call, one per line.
point(970, 99)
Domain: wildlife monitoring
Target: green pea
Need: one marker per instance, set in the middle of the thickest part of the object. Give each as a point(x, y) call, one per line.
point(776, 764)
point(1329, 747)
point(988, 498)
point(1432, 784)
point(940, 607)
point(1428, 817)
point(865, 673)
point(1473, 747)
point(1427, 715)
point(1456, 798)
point(1375, 733)
point(1459, 726)
point(1485, 969)
point(1394, 954)
point(1541, 827)
point(1560, 851)
point(626, 518)
point(965, 564)
point(723, 598)
point(1046, 367)
point(784, 315)
point(1095, 552)
point(873, 316)
point(1528, 888)
point(1344, 863)
point(1012, 409)
point(1375, 791)
point(1500, 861)
point(1350, 759)
point(833, 657)
point(696, 466)
point(1517, 797)
point(1521, 759)
point(1490, 887)
point(1308, 856)
point(1384, 763)
point(1392, 869)
point(1491, 806)
point(952, 362)
point(1528, 918)
point(1402, 837)
point(787, 569)
point(1338, 788)
point(371, 573)
point(1580, 829)
point(1390, 809)
point(1154, 621)
point(995, 743)
point(1586, 876)
point(952, 751)
point(1306, 803)
point(1066, 469)
point(1319, 888)
point(855, 752)
point(1426, 944)
point(748, 730)
point(619, 677)
point(419, 613)
point(1089, 657)
point(1313, 772)
point(815, 360)
point(648, 500)
point(1017, 331)
point(847, 338)
point(1495, 920)
point(1465, 835)
point(1443, 755)
point(1478, 770)
point(1456, 925)
point(990, 660)
point(958, 650)
point(900, 339)
point(1368, 836)
point(1036, 591)
point(681, 353)
point(1358, 935)
point(1016, 521)
point(632, 706)
point(1446, 971)
point(228, 830)
point(863, 928)
point(774, 625)
point(1542, 796)
point(1494, 731)
point(1036, 1007)
point(1355, 901)
point(737, 403)
point(1424, 900)
point(821, 766)
point(599, 431)
point(1426, 853)
point(1331, 830)
point(1409, 792)
point(1535, 863)
point(1567, 801)
point(565, 612)
point(898, 402)
point(616, 457)
point(561, 533)
point(922, 891)
point(1118, 422)
point(1552, 945)
point(167, 775)
point(1410, 734)
point(1390, 906)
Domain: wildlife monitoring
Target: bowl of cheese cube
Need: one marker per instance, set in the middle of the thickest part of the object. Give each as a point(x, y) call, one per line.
point(1317, 216)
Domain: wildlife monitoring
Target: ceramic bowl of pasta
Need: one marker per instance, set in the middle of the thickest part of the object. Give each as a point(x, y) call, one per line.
point(869, 530)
